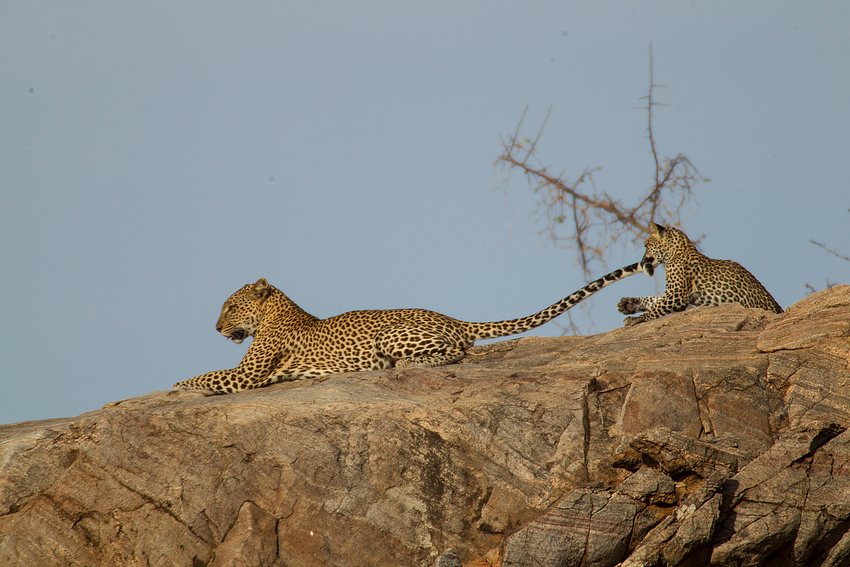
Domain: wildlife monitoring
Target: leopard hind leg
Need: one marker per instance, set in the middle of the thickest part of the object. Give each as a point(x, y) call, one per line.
point(410, 345)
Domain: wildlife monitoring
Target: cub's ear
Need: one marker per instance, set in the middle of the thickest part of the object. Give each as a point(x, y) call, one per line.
point(658, 230)
point(261, 289)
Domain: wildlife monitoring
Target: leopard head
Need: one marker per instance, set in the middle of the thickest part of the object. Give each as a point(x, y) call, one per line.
point(241, 313)
point(663, 244)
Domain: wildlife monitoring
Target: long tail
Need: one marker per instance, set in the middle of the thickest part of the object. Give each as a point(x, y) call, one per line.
point(516, 326)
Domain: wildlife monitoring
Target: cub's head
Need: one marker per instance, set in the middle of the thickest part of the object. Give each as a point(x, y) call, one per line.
point(664, 244)
point(241, 313)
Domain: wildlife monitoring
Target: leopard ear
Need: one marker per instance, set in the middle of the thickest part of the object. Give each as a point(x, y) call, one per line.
point(261, 289)
point(658, 230)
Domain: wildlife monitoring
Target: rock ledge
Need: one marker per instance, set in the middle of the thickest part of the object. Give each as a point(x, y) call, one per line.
point(717, 436)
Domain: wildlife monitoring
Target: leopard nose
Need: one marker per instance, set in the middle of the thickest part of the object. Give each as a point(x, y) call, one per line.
point(218, 327)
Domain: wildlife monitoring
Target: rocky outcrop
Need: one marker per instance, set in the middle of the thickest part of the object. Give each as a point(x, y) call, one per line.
point(716, 436)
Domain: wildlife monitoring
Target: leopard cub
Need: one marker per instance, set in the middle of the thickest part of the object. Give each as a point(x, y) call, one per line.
point(692, 279)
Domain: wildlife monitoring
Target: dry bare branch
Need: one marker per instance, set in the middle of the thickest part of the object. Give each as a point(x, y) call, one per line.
point(829, 250)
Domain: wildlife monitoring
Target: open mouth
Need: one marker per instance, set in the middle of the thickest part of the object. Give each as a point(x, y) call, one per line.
point(237, 336)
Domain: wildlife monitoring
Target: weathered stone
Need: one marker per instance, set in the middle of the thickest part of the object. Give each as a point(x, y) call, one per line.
point(448, 559)
point(776, 514)
point(251, 542)
point(812, 322)
point(494, 458)
point(809, 347)
point(499, 513)
point(678, 537)
point(676, 454)
point(648, 553)
point(695, 530)
point(585, 528)
point(660, 400)
point(649, 486)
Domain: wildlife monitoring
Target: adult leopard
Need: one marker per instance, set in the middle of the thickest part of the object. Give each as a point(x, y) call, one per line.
point(692, 279)
point(289, 343)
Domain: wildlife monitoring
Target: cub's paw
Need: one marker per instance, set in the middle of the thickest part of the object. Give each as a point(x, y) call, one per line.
point(630, 305)
point(632, 321)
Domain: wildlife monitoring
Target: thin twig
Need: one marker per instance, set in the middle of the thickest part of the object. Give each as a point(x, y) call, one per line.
point(822, 245)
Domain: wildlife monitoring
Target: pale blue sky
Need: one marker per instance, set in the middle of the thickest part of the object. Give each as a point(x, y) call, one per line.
point(157, 156)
